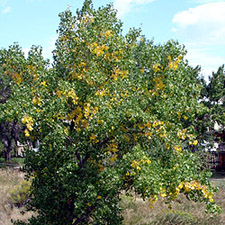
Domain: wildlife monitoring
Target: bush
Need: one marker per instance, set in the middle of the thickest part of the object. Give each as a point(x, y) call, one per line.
point(19, 194)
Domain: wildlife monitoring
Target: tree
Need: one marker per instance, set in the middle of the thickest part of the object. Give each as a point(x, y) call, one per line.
point(114, 113)
point(9, 128)
point(212, 97)
point(215, 92)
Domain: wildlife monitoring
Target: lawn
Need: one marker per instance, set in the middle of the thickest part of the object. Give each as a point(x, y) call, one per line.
point(15, 162)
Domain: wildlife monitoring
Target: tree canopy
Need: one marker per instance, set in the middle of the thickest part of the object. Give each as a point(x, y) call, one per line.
point(113, 113)
point(211, 123)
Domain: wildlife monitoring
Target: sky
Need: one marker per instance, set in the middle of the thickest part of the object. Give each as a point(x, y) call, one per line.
point(197, 24)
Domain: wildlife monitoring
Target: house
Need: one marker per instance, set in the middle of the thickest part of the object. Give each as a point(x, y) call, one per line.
point(20, 147)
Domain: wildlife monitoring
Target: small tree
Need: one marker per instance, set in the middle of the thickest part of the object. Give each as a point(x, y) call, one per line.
point(113, 113)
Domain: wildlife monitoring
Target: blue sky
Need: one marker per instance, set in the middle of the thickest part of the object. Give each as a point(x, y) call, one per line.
point(198, 24)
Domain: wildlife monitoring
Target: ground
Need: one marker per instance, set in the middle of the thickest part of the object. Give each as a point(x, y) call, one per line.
point(135, 211)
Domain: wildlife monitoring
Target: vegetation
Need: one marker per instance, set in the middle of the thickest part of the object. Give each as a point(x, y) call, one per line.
point(14, 163)
point(134, 210)
point(113, 114)
point(9, 179)
point(213, 98)
point(19, 195)
point(9, 129)
point(181, 211)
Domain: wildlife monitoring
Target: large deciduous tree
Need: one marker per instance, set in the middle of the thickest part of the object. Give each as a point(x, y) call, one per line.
point(114, 113)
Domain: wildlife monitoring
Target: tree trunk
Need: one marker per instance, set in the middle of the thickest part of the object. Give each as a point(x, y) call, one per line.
point(7, 145)
point(8, 156)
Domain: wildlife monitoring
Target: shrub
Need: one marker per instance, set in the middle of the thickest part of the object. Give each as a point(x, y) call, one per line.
point(19, 194)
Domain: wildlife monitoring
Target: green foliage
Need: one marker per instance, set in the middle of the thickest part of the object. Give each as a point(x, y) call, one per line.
point(114, 113)
point(1, 150)
point(9, 127)
point(215, 87)
point(215, 94)
point(210, 123)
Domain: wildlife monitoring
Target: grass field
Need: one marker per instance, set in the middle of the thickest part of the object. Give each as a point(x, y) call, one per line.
point(135, 211)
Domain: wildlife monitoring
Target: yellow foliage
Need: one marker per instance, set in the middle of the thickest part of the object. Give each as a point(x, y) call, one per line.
point(156, 67)
point(93, 138)
point(44, 83)
point(159, 85)
point(177, 148)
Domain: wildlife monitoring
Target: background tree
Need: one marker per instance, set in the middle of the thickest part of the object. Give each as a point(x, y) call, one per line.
point(10, 128)
point(114, 113)
point(210, 123)
point(215, 92)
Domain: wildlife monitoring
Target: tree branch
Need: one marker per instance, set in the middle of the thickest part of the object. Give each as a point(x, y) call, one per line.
point(85, 216)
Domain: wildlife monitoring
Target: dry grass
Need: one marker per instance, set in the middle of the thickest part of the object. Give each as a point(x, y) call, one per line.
point(8, 179)
point(136, 211)
point(183, 212)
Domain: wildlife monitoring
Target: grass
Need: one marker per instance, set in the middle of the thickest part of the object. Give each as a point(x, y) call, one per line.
point(13, 160)
point(135, 211)
point(9, 178)
point(182, 211)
